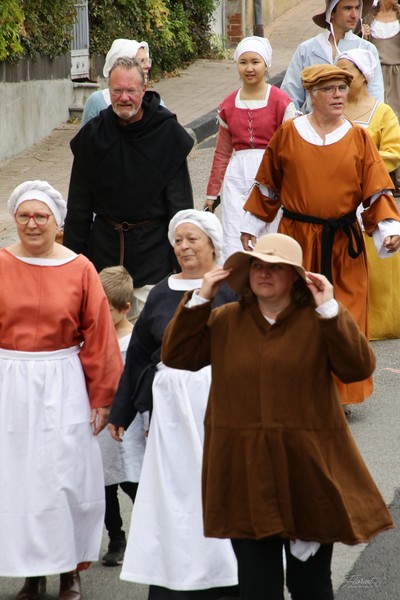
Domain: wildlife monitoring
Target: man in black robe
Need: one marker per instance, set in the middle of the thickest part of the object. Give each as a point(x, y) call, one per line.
point(129, 177)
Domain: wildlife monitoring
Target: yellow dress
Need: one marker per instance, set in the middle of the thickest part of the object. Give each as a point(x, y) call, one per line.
point(383, 274)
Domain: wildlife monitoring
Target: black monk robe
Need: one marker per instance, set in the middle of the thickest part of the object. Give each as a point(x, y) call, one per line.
point(133, 174)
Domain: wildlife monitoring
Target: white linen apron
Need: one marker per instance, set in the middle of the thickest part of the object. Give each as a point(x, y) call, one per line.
point(166, 545)
point(238, 181)
point(122, 461)
point(51, 478)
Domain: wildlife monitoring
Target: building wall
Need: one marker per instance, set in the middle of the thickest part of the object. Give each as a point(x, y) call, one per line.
point(240, 20)
point(34, 98)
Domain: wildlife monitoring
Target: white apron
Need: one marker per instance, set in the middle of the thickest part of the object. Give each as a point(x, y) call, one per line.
point(238, 181)
point(122, 461)
point(51, 478)
point(166, 545)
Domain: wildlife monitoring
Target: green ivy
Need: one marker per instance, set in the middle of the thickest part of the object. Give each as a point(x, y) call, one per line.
point(177, 31)
point(48, 27)
point(11, 28)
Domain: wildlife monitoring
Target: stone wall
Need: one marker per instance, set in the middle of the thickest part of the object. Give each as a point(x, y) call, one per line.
point(35, 97)
point(240, 21)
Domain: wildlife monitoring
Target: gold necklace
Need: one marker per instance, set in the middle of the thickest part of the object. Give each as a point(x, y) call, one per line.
point(359, 116)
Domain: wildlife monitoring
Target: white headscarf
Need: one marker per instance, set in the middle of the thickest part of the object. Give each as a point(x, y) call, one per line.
point(39, 190)
point(120, 48)
point(206, 221)
point(255, 44)
point(363, 59)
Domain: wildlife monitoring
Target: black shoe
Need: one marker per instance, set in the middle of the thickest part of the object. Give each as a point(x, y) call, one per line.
point(115, 554)
point(70, 586)
point(34, 588)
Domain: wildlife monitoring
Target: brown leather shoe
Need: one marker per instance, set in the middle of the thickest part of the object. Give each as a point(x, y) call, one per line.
point(34, 588)
point(70, 586)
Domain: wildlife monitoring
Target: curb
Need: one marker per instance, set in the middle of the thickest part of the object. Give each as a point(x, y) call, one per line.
point(204, 127)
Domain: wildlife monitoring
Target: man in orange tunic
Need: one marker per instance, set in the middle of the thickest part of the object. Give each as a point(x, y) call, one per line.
point(320, 168)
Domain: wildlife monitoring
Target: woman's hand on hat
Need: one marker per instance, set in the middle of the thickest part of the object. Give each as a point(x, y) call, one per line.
point(320, 287)
point(248, 241)
point(212, 281)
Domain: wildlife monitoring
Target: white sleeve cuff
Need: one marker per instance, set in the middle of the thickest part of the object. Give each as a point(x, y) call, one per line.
point(328, 310)
point(252, 225)
point(382, 230)
point(196, 300)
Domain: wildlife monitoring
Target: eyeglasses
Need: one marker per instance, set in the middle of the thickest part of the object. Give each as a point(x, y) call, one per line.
point(120, 91)
point(145, 62)
point(40, 219)
point(329, 90)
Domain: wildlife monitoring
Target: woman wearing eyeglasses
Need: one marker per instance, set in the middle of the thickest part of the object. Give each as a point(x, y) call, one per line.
point(100, 100)
point(59, 369)
point(321, 167)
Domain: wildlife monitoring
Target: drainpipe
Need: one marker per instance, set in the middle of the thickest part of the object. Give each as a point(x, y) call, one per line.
point(259, 26)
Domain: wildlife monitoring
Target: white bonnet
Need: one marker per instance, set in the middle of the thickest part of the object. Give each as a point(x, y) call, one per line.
point(120, 48)
point(255, 44)
point(39, 190)
point(205, 220)
point(363, 59)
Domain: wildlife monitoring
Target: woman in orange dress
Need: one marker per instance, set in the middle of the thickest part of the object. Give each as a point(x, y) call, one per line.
point(59, 368)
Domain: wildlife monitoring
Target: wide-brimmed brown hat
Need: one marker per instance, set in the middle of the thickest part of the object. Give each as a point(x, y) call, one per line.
point(270, 248)
point(320, 19)
point(317, 74)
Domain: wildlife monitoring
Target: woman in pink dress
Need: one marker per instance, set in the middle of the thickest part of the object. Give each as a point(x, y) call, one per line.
point(248, 118)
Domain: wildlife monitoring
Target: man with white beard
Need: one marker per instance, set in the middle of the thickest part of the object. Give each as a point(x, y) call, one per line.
point(130, 172)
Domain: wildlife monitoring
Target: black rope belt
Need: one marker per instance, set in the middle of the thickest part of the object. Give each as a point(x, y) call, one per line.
point(329, 226)
point(121, 228)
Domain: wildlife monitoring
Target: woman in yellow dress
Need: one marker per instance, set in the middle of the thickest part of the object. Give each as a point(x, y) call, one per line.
point(382, 124)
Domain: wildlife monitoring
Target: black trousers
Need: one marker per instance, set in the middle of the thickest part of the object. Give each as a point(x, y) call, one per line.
point(112, 518)
point(261, 574)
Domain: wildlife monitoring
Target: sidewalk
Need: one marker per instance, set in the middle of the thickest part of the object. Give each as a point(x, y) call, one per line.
point(194, 95)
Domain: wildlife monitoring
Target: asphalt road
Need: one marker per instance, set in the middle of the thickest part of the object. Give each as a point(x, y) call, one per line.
point(366, 572)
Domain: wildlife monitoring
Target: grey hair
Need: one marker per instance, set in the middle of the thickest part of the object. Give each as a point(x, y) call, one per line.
point(128, 63)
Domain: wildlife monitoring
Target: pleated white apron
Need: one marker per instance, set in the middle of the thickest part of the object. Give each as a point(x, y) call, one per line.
point(239, 179)
point(51, 478)
point(166, 545)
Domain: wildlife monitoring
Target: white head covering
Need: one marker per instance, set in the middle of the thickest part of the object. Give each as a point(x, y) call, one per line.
point(39, 190)
point(255, 44)
point(206, 221)
point(363, 59)
point(120, 48)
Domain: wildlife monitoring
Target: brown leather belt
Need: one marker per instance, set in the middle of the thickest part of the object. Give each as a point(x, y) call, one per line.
point(120, 228)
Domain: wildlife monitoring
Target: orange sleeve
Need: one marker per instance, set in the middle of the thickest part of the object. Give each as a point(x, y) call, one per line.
point(100, 354)
point(384, 207)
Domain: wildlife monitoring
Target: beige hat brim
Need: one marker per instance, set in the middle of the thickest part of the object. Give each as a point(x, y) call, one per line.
point(240, 262)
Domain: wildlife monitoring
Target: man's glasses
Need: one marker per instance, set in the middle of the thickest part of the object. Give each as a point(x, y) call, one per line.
point(120, 91)
point(40, 219)
point(329, 90)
